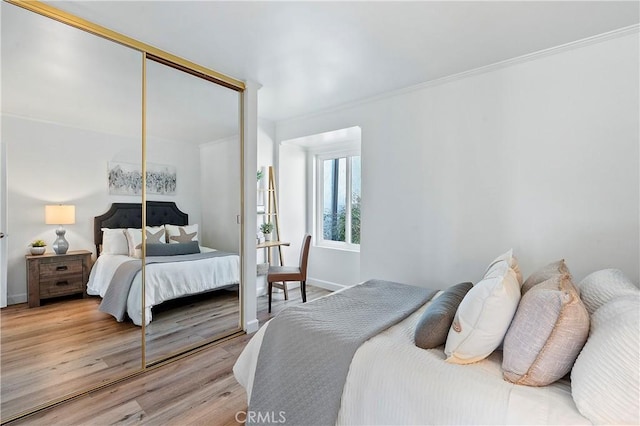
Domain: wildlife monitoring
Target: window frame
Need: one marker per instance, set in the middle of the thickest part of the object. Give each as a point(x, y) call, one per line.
point(319, 159)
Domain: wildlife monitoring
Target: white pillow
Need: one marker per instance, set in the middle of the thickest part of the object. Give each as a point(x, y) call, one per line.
point(605, 379)
point(134, 239)
point(114, 241)
point(601, 286)
point(134, 242)
point(483, 317)
point(181, 234)
point(511, 260)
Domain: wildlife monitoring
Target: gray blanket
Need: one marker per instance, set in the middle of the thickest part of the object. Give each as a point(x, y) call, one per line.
point(307, 350)
point(114, 301)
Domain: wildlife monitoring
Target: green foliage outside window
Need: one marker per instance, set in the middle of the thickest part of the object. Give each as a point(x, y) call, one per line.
point(334, 228)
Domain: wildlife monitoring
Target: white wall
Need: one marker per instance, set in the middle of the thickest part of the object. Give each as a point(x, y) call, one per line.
point(49, 163)
point(541, 156)
point(293, 198)
point(265, 158)
point(220, 194)
point(266, 137)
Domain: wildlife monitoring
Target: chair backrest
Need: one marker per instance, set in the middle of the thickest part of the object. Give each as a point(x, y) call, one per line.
point(304, 255)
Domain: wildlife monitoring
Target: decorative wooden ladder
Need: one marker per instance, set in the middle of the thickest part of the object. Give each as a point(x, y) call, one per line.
point(271, 215)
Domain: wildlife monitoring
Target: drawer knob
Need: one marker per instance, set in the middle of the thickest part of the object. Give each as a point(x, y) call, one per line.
point(62, 268)
point(61, 283)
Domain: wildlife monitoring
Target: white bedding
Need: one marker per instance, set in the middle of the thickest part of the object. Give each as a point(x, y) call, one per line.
point(165, 281)
point(391, 382)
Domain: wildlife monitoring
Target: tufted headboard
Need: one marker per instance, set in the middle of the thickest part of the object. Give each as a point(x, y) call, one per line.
point(129, 215)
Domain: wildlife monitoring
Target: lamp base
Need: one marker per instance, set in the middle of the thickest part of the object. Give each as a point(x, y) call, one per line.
point(60, 245)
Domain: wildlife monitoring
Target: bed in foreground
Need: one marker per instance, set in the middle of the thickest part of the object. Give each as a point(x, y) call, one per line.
point(176, 264)
point(390, 380)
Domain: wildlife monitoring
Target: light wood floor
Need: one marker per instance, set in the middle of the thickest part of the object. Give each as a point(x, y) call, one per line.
point(198, 389)
point(55, 349)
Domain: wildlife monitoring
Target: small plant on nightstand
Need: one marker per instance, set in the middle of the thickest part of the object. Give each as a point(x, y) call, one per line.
point(38, 247)
point(266, 229)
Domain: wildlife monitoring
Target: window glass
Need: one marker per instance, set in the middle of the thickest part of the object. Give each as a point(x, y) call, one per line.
point(335, 199)
point(340, 191)
point(355, 200)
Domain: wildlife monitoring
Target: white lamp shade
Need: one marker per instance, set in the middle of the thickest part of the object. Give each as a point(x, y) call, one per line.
point(60, 215)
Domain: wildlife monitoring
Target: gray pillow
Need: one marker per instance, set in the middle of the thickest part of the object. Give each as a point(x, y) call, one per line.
point(433, 327)
point(172, 249)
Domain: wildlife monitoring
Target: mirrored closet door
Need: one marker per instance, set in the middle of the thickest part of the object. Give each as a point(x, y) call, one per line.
point(193, 159)
point(109, 124)
point(71, 104)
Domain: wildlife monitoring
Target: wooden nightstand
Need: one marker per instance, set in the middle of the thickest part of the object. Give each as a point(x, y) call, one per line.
point(52, 275)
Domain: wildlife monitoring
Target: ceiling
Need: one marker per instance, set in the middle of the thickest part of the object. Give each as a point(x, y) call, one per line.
point(310, 56)
point(307, 56)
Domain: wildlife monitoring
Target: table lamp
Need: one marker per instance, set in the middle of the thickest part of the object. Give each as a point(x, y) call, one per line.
point(60, 215)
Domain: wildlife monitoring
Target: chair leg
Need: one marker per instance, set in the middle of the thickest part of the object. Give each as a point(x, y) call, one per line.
point(270, 289)
point(284, 287)
point(303, 291)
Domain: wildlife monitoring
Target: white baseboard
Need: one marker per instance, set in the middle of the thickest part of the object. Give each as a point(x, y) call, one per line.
point(327, 285)
point(17, 298)
point(252, 326)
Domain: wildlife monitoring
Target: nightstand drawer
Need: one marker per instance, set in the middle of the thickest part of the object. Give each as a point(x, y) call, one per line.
point(53, 275)
point(60, 286)
point(49, 270)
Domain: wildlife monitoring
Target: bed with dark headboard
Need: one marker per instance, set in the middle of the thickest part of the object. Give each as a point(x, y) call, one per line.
point(181, 270)
point(129, 215)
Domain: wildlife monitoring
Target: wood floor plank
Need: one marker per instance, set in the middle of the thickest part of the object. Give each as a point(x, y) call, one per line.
point(198, 389)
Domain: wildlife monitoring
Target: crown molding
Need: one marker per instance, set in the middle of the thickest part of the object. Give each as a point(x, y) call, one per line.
point(617, 33)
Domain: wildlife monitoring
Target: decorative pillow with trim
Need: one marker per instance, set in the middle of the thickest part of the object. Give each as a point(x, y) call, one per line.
point(554, 268)
point(483, 316)
point(181, 234)
point(546, 335)
point(155, 234)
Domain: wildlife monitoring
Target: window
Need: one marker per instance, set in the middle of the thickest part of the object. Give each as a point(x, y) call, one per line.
point(338, 201)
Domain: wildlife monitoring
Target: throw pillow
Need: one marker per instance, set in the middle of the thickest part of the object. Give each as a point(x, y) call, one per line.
point(114, 242)
point(154, 234)
point(483, 316)
point(605, 379)
point(599, 287)
point(173, 249)
point(548, 331)
point(434, 324)
point(511, 260)
point(134, 240)
point(543, 274)
point(182, 234)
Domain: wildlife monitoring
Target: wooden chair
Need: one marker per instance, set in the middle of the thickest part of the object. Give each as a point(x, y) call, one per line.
point(279, 275)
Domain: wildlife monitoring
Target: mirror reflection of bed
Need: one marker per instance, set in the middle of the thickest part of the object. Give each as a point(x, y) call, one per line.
point(189, 111)
point(191, 290)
